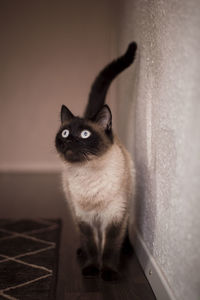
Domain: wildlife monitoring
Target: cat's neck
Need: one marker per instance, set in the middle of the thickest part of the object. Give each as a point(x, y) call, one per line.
point(112, 157)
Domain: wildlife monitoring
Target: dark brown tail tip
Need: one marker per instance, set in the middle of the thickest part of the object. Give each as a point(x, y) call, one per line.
point(130, 52)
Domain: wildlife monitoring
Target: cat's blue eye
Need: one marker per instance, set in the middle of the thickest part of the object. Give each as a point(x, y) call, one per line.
point(85, 134)
point(65, 133)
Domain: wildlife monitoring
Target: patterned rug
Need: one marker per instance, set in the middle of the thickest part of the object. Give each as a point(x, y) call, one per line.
point(29, 259)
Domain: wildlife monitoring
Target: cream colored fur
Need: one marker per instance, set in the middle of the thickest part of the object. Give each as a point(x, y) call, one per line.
point(101, 188)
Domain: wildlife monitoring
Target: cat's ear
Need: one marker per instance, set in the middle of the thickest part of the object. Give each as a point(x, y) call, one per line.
point(104, 118)
point(65, 114)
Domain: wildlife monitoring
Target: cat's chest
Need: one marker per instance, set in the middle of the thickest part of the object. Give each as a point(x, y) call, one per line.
point(96, 182)
point(93, 183)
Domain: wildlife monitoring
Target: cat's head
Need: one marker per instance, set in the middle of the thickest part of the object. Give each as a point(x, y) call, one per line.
point(80, 139)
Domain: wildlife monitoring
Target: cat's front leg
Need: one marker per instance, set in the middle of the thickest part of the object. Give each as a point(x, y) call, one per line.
point(114, 235)
point(89, 250)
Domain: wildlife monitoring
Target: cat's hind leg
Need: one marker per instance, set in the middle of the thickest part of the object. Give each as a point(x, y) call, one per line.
point(127, 247)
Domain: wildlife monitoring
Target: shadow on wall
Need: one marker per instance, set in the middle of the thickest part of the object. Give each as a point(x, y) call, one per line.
point(143, 207)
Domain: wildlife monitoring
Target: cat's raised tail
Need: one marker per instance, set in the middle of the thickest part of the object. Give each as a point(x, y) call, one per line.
point(102, 82)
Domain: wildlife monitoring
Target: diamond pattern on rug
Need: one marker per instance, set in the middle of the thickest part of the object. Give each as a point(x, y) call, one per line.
point(30, 292)
point(49, 235)
point(42, 258)
point(28, 259)
point(18, 226)
point(14, 272)
point(19, 245)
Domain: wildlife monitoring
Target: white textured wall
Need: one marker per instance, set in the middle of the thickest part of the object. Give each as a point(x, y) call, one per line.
point(159, 100)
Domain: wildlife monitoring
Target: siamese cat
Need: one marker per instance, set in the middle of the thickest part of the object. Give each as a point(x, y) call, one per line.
point(98, 176)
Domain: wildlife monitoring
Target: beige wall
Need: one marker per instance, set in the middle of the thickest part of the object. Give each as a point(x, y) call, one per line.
point(50, 53)
point(162, 103)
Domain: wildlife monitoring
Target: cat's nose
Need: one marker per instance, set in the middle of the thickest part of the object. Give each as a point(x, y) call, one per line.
point(69, 151)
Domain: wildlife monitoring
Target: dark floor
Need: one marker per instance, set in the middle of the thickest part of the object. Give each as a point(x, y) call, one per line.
point(40, 195)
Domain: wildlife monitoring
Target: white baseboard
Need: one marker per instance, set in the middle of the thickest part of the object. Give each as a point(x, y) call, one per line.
point(151, 269)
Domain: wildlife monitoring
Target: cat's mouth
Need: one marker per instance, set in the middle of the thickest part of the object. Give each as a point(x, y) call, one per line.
point(75, 156)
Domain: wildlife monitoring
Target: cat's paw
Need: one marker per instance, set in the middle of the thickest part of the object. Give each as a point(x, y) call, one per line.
point(90, 271)
point(108, 274)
